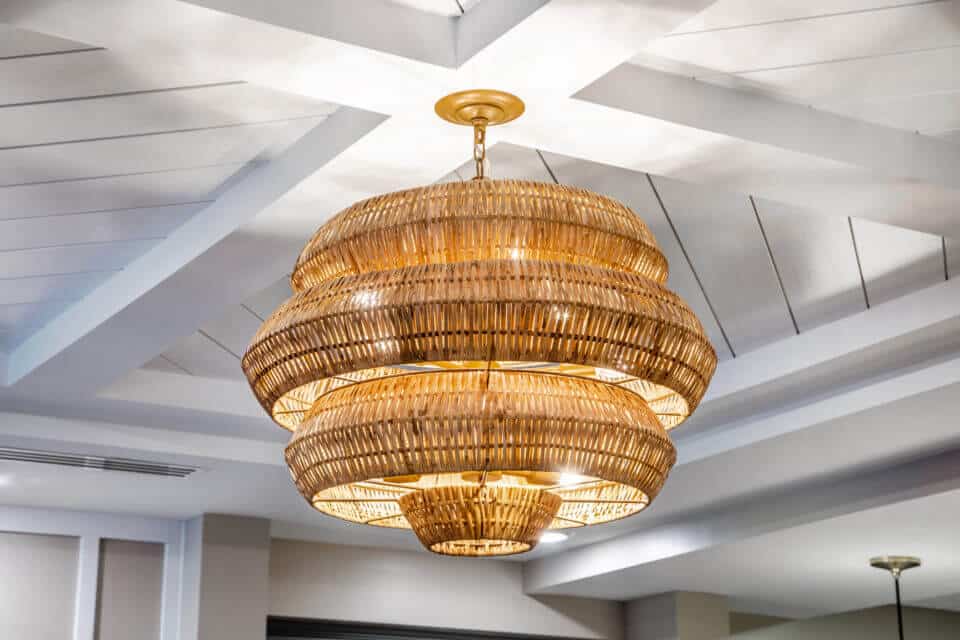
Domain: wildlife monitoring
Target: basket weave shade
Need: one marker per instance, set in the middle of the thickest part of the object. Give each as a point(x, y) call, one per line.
point(480, 220)
point(515, 310)
point(445, 423)
point(453, 352)
point(479, 521)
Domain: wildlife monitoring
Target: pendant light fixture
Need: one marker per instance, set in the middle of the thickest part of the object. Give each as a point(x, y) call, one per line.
point(482, 360)
point(896, 565)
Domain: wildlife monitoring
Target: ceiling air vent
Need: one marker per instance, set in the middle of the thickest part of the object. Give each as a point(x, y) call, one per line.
point(99, 463)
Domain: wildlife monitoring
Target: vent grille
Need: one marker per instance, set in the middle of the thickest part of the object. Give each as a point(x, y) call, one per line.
point(127, 465)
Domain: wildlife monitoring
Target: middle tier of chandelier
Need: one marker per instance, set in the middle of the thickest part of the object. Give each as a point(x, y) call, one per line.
point(480, 361)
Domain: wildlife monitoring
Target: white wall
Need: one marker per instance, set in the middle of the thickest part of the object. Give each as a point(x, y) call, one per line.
point(230, 599)
point(130, 590)
point(741, 622)
point(74, 572)
point(38, 582)
point(868, 624)
point(679, 615)
point(312, 580)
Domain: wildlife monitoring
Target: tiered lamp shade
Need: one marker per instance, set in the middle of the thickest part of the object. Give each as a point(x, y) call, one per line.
point(480, 361)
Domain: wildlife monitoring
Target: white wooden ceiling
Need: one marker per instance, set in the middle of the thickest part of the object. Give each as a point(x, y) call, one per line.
point(450, 8)
point(892, 63)
point(803, 187)
point(758, 271)
point(97, 167)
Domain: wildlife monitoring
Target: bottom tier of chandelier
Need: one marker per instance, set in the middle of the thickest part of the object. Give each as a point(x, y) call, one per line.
point(480, 462)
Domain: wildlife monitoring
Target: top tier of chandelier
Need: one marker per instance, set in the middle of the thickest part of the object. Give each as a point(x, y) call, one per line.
point(482, 360)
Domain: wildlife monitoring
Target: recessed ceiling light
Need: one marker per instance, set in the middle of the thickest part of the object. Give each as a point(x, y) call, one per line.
point(552, 537)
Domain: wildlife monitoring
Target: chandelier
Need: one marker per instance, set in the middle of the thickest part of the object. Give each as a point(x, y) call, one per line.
point(480, 361)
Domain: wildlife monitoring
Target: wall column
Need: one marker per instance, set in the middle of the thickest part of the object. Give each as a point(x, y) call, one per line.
point(679, 615)
point(225, 578)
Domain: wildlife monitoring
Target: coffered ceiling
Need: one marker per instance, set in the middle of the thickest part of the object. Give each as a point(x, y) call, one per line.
point(162, 162)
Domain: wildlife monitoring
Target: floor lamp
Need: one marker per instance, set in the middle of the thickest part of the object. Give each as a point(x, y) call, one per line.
point(896, 565)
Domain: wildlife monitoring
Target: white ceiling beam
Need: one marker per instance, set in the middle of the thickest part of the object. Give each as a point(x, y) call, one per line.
point(184, 391)
point(572, 572)
point(370, 156)
point(857, 380)
point(764, 426)
point(567, 44)
point(115, 328)
point(891, 352)
point(569, 55)
point(71, 352)
point(487, 21)
point(890, 335)
point(751, 116)
point(606, 135)
point(166, 39)
point(32, 431)
point(398, 29)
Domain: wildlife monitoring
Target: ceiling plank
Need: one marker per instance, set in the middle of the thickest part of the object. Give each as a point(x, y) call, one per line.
point(198, 149)
point(17, 43)
point(731, 260)
point(893, 335)
point(405, 31)
point(870, 32)
point(748, 116)
point(634, 190)
point(572, 572)
point(94, 227)
point(71, 349)
point(816, 261)
point(43, 288)
point(204, 357)
point(192, 108)
point(71, 259)
point(897, 261)
point(729, 14)
point(95, 74)
point(113, 192)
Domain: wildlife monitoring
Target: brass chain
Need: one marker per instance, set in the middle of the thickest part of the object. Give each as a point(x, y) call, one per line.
point(479, 147)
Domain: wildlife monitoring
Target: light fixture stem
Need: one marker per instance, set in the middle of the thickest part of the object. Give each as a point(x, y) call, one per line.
point(479, 146)
point(896, 586)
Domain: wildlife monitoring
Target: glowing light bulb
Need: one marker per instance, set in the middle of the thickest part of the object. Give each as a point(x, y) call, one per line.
point(567, 479)
point(366, 298)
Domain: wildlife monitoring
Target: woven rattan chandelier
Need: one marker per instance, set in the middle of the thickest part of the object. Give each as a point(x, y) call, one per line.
point(482, 360)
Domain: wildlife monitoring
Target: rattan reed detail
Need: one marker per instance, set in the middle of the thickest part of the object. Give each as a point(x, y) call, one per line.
point(453, 352)
point(480, 220)
point(495, 310)
point(378, 504)
point(479, 520)
point(435, 425)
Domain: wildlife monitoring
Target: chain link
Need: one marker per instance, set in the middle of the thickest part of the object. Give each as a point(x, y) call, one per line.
point(479, 148)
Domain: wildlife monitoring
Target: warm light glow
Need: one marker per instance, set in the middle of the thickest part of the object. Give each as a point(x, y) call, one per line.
point(552, 537)
point(480, 361)
point(567, 479)
point(367, 298)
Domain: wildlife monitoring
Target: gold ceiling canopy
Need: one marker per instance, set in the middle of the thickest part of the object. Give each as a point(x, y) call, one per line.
point(481, 360)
